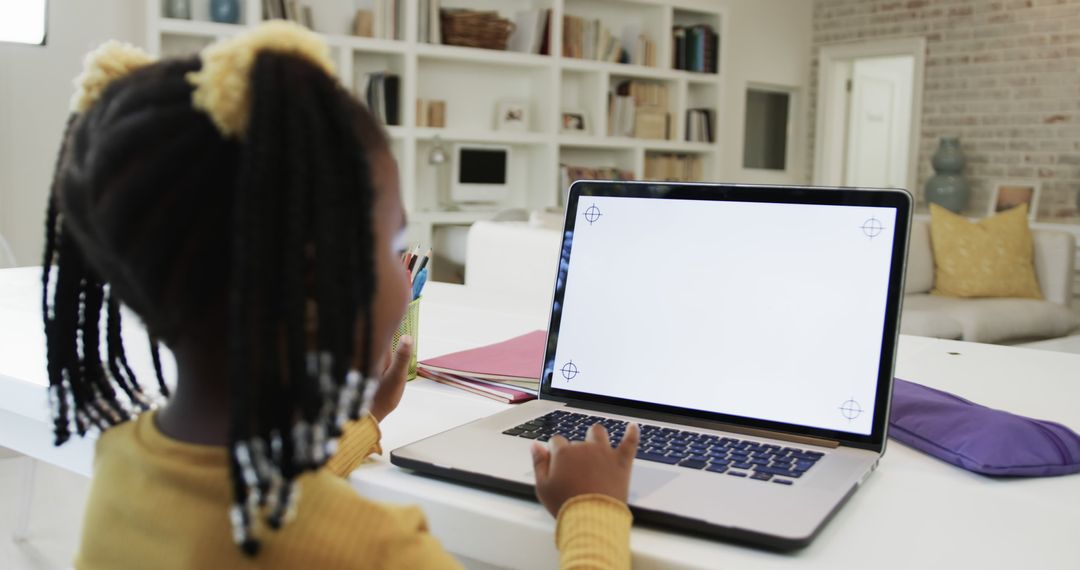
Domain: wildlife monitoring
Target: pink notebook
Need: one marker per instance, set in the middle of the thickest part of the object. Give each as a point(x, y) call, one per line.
point(504, 394)
point(518, 360)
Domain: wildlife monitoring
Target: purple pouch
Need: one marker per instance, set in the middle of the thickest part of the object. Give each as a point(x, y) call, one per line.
point(979, 439)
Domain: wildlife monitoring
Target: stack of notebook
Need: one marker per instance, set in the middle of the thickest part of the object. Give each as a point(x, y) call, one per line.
point(507, 371)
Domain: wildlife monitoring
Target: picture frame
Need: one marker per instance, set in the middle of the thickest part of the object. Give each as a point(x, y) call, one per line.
point(512, 116)
point(1009, 194)
point(574, 121)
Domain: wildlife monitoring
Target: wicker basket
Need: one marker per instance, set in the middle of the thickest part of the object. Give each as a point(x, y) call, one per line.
point(471, 28)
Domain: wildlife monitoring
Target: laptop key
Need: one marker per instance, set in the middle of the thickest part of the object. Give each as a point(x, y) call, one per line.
point(761, 476)
point(716, 468)
point(737, 473)
point(513, 431)
point(692, 463)
point(657, 458)
point(741, 465)
point(783, 481)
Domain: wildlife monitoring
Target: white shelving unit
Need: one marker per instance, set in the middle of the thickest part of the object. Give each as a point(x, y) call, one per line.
point(473, 81)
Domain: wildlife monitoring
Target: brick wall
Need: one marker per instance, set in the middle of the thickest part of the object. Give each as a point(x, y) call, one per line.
point(1003, 75)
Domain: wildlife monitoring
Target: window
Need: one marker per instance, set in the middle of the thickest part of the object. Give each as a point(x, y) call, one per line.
point(23, 21)
point(765, 138)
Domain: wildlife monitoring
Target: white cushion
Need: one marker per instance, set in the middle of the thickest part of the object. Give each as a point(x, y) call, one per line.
point(929, 323)
point(920, 264)
point(998, 320)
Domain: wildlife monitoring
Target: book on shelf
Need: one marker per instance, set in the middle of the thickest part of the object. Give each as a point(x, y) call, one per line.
point(590, 39)
point(639, 109)
point(430, 113)
point(430, 27)
point(291, 10)
point(651, 123)
point(695, 48)
point(699, 125)
point(621, 110)
point(382, 21)
point(645, 93)
point(364, 24)
point(674, 167)
point(644, 52)
point(530, 31)
point(568, 174)
point(381, 92)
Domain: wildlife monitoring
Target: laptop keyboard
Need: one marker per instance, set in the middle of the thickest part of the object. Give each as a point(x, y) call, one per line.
point(692, 450)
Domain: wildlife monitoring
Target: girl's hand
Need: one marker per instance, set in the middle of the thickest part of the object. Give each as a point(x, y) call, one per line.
point(388, 395)
point(566, 470)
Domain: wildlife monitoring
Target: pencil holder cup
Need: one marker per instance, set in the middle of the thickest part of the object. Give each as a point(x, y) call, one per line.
point(410, 325)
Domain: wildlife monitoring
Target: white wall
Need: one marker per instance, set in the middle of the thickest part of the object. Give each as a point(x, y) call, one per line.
point(35, 86)
point(769, 45)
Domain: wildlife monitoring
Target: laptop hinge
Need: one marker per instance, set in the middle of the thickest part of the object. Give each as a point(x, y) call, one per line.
point(719, 426)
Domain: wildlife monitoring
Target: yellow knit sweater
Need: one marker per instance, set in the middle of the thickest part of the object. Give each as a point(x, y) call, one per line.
point(159, 503)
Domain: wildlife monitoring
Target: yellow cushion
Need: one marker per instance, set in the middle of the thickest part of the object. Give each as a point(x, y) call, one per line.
point(988, 258)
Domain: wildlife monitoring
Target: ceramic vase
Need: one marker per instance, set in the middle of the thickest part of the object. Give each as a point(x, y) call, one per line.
point(178, 9)
point(947, 187)
point(225, 11)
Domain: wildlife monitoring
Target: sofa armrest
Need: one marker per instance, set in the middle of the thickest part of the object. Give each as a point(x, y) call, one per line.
point(1055, 260)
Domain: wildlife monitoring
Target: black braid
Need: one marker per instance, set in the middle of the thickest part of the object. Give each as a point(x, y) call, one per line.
point(117, 357)
point(153, 208)
point(155, 356)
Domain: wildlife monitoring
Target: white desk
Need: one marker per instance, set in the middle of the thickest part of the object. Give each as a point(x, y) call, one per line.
point(914, 512)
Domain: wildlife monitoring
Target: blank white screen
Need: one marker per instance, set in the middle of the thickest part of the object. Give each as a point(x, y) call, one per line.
point(767, 311)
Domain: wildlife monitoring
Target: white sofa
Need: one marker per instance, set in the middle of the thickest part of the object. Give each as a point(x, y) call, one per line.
point(991, 320)
point(522, 257)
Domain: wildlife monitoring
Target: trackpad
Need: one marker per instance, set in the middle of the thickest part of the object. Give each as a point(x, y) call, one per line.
point(645, 480)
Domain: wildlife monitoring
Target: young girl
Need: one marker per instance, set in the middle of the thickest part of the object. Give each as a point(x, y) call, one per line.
point(247, 208)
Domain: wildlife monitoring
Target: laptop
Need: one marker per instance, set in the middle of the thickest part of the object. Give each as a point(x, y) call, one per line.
point(749, 330)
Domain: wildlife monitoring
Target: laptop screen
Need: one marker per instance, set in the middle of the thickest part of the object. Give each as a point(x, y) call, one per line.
point(746, 309)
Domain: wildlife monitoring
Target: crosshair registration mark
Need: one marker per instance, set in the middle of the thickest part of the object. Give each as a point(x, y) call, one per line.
point(569, 370)
point(872, 228)
point(850, 410)
point(592, 214)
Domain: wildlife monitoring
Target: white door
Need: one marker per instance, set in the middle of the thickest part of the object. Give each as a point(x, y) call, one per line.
point(878, 123)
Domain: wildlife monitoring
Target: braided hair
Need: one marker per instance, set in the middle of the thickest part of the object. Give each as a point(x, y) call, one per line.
point(153, 207)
